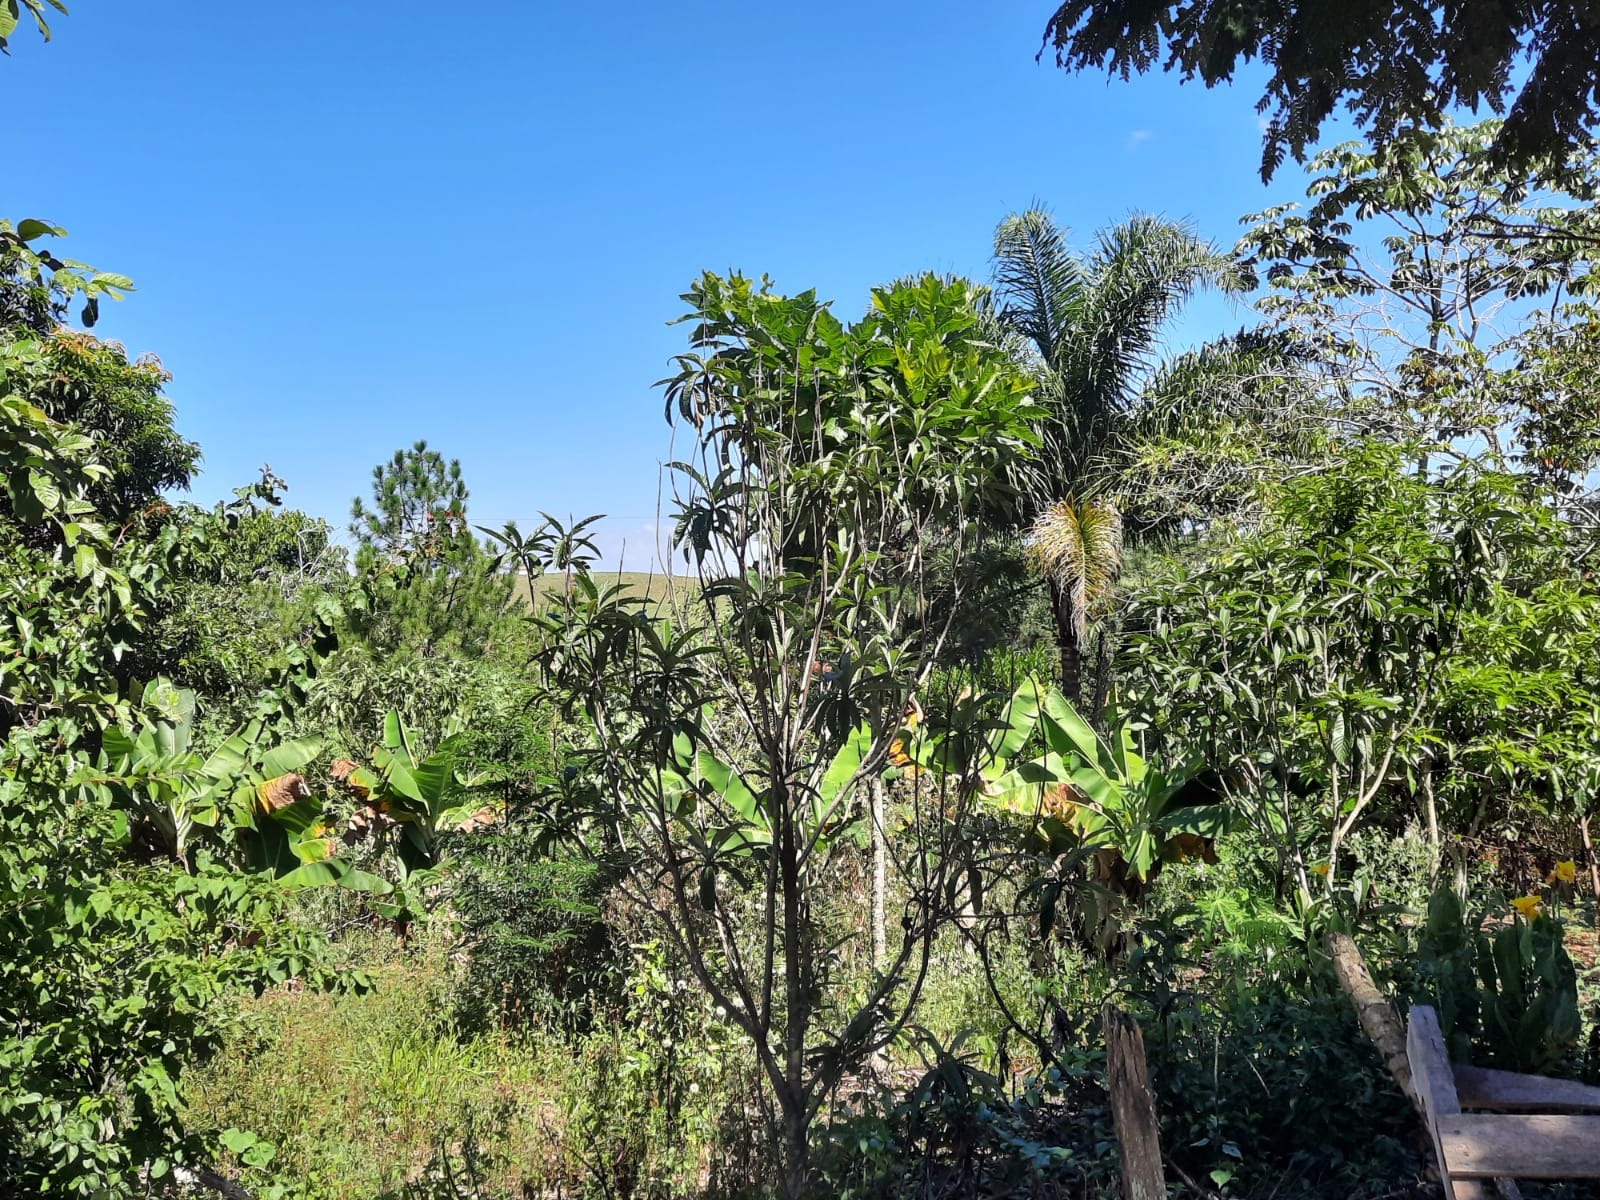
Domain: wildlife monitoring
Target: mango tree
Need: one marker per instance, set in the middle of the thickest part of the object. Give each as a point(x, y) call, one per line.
point(1318, 663)
point(729, 731)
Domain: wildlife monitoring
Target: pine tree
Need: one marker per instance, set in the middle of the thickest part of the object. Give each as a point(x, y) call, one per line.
point(445, 595)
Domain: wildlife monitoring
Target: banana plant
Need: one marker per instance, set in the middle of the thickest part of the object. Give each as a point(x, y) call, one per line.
point(154, 770)
point(255, 790)
point(420, 798)
point(1085, 793)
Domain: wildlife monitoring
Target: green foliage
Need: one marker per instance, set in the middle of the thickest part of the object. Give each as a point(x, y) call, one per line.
point(111, 989)
point(489, 706)
point(418, 506)
point(1430, 284)
point(1077, 546)
point(958, 1131)
point(671, 1062)
point(1559, 434)
point(1263, 1085)
point(721, 750)
point(91, 384)
point(1090, 327)
point(380, 1094)
point(268, 575)
point(1506, 998)
point(118, 957)
point(1087, 798)
point(1000, 610)
point(1314, 662)
point(11, 15)
point(421, 798)
point(36, 287)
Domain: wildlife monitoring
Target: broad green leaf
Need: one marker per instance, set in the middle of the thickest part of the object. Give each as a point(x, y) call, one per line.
point(29, 228)
point(118, 745)
point(394, 734)
point(290, 756)
point(1100, 790)
point(1131, 768)
point(1019, 719)
point(727, 784)
point(434, 779)
point(1069, 733)
point(299, 816)
point(228, 761)
point(845, 764)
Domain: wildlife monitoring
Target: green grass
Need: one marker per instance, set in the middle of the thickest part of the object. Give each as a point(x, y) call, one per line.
point(383, 1097)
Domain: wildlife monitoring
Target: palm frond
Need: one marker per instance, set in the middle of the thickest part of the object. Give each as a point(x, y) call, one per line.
point(1039, 278)
point(1217, 423)
point(1140, 274)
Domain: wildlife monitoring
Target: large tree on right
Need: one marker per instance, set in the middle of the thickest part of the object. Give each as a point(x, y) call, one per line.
point(1393, 63)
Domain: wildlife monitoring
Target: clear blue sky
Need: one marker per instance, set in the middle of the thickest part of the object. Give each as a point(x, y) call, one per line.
point(362, 223)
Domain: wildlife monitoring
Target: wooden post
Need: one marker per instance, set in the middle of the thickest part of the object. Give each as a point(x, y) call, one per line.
point(1133, 1108)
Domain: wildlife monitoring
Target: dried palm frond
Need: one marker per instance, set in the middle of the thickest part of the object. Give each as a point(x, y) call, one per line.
point(1078, 545)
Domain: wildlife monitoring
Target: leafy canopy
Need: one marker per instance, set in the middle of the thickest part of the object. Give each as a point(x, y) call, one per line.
point(1394, 64)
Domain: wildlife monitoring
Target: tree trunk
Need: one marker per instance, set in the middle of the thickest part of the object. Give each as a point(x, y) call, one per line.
point(880, 874)
point(797, 979)
point(1061, 602)
point(795, 1151)
point(1379, 1021)
point(1133, 1108)
point(880, 890)
point(1588, 854)
point(1431, 811)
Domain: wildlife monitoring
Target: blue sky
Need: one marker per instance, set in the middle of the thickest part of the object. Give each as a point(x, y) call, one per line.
point(372, 222)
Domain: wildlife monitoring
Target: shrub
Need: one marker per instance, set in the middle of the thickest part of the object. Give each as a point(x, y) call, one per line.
point(537, 945)
point(1506, 998)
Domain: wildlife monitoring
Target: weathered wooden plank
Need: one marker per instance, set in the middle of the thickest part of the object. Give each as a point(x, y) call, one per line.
point(1133, 1108)
point(1520, 1145)
point(1486, 1189)
point(1480, 1087)
point(1433, 1085)
point(1430, 1065)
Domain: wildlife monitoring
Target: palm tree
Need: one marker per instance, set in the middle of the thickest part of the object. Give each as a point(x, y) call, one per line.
point(1091, 327)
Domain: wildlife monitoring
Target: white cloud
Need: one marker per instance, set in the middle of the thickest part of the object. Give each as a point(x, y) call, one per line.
point(1136, 139)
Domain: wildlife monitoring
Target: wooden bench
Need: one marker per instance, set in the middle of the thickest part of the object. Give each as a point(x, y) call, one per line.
point(1537, 1128)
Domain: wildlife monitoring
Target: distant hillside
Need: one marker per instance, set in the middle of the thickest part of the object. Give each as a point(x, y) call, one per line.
point(650, 585)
